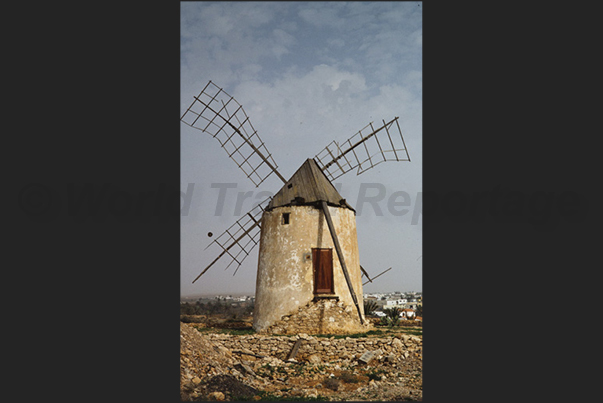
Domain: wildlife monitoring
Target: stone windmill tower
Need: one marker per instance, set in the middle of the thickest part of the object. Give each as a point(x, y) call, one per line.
point(309, 275)
point(305, 227)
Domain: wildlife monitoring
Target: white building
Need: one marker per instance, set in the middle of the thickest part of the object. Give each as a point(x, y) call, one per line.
point(395, 303)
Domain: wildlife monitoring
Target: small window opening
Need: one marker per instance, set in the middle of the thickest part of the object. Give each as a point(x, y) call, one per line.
point(289, 186)
point(286, 218)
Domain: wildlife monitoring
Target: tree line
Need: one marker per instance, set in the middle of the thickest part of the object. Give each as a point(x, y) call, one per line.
point(217, 308)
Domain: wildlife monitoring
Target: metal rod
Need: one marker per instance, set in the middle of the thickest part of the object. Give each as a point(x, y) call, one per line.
point(211, 100)
point(243, 250)
point(226, 250)
point(344, 157)
point(356, 145)
point(247, 141)
point(334, 159)
point(224, 106)
point(258, 151)
point(325, 209)
point(405, 149)
point(380, 274)
point(189, 107)
point(392, 143)
point(237, 149)
point(366, 274)
point(379, 144)
point(358, 161)
point(219, 130)
point(366, 148)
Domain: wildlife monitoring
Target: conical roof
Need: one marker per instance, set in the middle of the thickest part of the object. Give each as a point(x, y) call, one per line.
point(308, 185)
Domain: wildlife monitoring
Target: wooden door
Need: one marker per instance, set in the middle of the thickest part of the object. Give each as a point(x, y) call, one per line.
point(322, 260)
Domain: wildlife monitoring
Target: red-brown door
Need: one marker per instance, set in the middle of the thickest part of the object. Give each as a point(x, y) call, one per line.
point(322, 259)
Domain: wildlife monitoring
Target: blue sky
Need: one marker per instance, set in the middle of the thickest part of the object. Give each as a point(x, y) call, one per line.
point(306, 73)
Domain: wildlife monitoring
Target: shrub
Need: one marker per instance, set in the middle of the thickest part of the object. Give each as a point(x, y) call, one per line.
point(393, 316)
point(375, 375)
point(370, 306)
point(331, 383)
point(393, 312)
point(348, 377)
point(189, 319)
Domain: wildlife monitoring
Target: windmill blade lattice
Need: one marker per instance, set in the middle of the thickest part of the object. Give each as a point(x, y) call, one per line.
point(240, 238)
point(217, 113)
point(387, 144)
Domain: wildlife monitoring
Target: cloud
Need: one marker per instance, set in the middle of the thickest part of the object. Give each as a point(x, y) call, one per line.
point(219, 18)
point(325, 89)
point(306, 74)
point(281, 36)
point(377, 40)
point(280, 43)
point(257, 15)
point(300, 113)
point(219, 40)
point(337, 42)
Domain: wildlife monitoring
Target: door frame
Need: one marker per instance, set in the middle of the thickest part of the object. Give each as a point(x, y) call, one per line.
point(316, 252)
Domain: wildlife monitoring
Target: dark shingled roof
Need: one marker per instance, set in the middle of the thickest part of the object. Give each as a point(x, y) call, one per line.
point(307, 186)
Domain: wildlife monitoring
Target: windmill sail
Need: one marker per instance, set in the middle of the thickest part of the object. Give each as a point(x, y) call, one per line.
point(371, 280)
point(364, 150)
point(239, 239)
point(364, 273)
point(217, 113)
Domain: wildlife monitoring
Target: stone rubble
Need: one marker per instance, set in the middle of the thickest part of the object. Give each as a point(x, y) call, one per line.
point(394, 373)
point(319, 347)
point(342, 319)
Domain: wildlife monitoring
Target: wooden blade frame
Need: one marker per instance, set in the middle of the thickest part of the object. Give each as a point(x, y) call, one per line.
point(219, 114)
point(366, 274)
point(358, 152)
point(239, 239)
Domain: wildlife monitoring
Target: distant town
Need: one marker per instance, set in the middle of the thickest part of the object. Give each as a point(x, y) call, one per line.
point(404, 300)
point(409, 300)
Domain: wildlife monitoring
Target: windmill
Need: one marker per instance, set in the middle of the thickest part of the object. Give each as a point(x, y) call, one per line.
point(309, 275)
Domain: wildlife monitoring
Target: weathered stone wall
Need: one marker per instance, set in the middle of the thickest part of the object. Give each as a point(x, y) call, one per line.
point(285, 272)
point(325, 316)
point(318, 348)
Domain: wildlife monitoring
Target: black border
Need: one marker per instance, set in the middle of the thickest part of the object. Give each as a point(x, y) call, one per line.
point(96, 310)
point(502, 114)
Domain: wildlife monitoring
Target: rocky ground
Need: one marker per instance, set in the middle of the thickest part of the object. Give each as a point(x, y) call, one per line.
point(210, 371)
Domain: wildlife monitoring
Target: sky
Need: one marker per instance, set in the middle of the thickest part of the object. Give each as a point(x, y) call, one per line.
point(306, 73)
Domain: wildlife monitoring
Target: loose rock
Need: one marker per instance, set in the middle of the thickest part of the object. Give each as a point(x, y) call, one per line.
point(219, 396)
point(208, 364)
